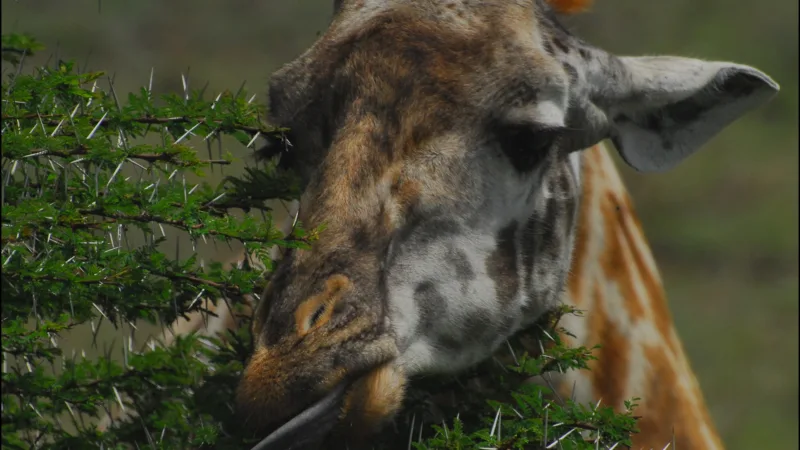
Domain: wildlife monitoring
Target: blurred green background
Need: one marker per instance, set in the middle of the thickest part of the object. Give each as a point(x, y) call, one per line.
point(723, 225)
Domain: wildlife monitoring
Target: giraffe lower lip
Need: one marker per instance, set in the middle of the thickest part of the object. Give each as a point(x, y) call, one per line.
point(320, 417)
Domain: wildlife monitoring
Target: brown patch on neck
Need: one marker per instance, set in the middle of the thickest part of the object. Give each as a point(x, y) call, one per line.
point(610, 372)
point(620, 251)
point(630, 227)
point(667, 408)
point(670, 397)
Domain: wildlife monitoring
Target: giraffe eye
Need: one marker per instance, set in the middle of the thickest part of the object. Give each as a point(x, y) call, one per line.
point(525, 146)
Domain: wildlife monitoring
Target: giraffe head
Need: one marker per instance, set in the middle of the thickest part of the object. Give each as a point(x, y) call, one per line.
point(439, 142)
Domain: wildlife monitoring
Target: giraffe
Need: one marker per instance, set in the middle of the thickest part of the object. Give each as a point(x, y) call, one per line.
point(443, 145)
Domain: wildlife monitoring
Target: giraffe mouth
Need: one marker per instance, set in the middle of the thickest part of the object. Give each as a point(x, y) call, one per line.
point(310, 428)
point(310, 425)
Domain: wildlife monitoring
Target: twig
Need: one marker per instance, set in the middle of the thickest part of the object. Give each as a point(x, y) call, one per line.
point(149, 157)
point(275, 132)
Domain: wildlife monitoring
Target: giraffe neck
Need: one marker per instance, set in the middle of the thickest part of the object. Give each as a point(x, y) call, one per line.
point(615, 280)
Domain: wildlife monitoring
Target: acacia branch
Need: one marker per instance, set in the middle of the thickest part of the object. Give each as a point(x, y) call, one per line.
point(149, 157)
point(224, 287)
point(53, 120)
point(145, 217)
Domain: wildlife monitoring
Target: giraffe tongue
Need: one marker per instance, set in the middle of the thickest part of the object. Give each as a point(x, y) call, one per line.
point(308, 426)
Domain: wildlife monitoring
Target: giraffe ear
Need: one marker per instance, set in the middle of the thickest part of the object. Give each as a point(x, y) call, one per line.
point(660, 110)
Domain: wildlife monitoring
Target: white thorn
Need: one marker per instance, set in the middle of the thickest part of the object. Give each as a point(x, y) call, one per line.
point(91, 134)
point(494, 425)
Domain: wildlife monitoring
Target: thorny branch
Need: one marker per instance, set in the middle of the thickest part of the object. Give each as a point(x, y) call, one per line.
point(147, 218)
point(154, 157)
point(50, 120)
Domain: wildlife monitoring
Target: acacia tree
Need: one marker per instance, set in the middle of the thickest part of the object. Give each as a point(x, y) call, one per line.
point(80, 176)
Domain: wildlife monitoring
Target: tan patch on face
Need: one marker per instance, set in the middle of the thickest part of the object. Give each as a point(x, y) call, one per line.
point(610, 370)
point(374, 399)
point(317, 310)
point(371, 402)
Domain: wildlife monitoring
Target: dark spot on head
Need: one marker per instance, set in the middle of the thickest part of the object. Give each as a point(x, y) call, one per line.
point(431, 304)
point(572, 72)
point(549, 243)
point(548, 47)
point(541, 241)
point(461, 264)
point(419, 234)
point(478, 326)
point(449, 343)
point(557, 40)
point(519, 92)
point(501, 265)
point(562, 183)
point(418, 135)
point(381, 139)
point(529, 241)
point(477, 329)
point(361, 238)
